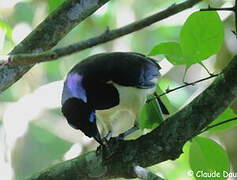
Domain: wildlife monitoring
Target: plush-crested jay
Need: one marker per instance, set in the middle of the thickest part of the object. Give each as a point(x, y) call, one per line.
point(105, 92)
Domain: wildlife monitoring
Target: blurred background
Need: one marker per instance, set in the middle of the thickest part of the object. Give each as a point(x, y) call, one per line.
point(33, 133)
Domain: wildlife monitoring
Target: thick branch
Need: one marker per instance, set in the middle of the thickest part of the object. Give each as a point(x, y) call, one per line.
point(48, 34)
point(108, 35)
point(163, 143)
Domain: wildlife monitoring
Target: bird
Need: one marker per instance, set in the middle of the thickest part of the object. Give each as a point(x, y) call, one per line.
point(104, 93)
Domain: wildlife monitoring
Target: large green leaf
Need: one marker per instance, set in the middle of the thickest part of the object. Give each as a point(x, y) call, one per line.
point(201, 36)
point(207, 158)
point(171, 50)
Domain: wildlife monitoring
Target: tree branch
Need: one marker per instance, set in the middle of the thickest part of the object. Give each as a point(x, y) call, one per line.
point(48, 34)
point(108, 35)
point(163, 143)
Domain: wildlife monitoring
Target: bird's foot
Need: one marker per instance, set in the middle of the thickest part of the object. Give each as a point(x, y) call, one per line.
point(109, 145)
point(104, 143)
point(105, 140)
point(104, 147)
point(108, 148)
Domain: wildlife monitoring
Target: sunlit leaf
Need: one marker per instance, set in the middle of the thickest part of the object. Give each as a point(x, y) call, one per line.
point(201, 36)
point(208, 157)
point(171, 50)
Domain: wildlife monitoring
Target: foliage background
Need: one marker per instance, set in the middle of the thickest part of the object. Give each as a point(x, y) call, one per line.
point(34, 134)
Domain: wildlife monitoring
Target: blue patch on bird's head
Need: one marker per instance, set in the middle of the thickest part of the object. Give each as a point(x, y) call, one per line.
point(73, 88)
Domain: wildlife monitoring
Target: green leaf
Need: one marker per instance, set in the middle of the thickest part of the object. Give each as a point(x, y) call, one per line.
point(208, 157)
point(171, 50)
point(228, 114)
point(201, 36)
point(150, 115)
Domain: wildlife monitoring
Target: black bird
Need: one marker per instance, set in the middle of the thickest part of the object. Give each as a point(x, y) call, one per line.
point(107, 91)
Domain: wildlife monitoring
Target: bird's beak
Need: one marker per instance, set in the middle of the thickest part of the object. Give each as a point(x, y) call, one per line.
point(98, 138)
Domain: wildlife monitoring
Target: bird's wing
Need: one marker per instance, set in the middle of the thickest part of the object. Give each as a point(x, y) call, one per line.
point(135, 70)
point(102, 96)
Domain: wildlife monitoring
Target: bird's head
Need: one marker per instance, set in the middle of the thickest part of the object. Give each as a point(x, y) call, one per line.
point(81, 116)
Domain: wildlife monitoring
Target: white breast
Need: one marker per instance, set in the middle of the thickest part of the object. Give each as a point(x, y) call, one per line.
point(124, 116)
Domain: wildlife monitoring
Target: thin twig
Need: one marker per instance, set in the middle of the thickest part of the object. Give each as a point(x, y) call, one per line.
point(108, 35)
point(218, 124)
point(185, 85)
point(218, 9)
point(206, 69)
